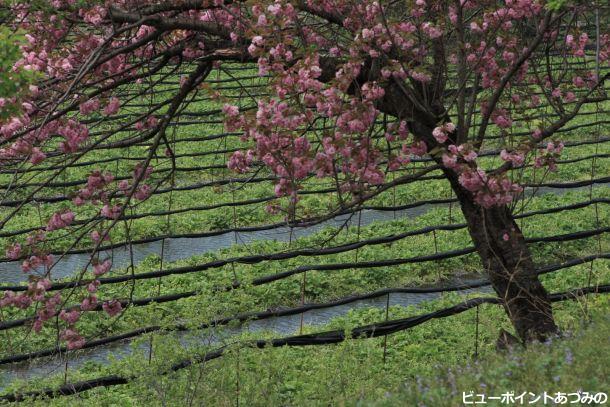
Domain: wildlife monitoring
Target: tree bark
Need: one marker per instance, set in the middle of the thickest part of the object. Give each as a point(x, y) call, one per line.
point(509, 264)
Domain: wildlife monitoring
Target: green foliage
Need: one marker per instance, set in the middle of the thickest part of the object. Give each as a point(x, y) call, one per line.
point(578, 363)
point(13, 84)
point(352, 372)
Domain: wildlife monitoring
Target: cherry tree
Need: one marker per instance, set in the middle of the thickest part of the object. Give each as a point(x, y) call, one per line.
point(450, 74)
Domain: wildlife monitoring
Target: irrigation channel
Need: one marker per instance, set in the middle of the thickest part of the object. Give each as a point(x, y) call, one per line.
point(182, 248)
point(175, 249)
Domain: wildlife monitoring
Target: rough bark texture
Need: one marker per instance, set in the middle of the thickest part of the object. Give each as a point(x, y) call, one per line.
point(509, 262)
point(510, 266)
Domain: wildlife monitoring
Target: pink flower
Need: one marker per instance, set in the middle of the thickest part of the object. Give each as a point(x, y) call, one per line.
point(13, 252)
point(241, 162)
point(95, 236)
point(89, 106)
point(535, 100)
point(60, 220)
point(111, 212)
point(93, 286)
point(569, 97)
point(112, 308)
point(578, 82)
point(7, 299)
point(516, 158)
point(151, 121)
point(418, 148)
point(37, 325)
point(89, 303)
point(556, 93)
point(124, 185)
point(367, 34)
point(505, 237)
point(22, 301)
point(112, 107)
point(102, 268)
point(450, 161)
point(537, 134)
point(93, 16)
point(474, 27)
point(78, 201)
point(142, 192)
point(70, 317)
point(420, 76)
point(37, 156)
point(256, 46)
point(470, 156)
point(502, 121)
point(439, 134)
point(73, 339)
point(230, 110)
point(473, 180)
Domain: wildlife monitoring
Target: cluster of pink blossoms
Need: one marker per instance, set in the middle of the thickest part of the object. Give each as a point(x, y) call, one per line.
point(548, 156)
point(34, 254)
point(441, 133)
point(24, 134)
point(346, 147)
point(95, 189)
point(347, 152)
point(60, 220)
point(487, 190)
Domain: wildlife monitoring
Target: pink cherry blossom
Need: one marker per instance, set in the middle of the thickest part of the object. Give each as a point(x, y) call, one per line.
point(70, 317)
point(73, 339)
point(102, 268)
point(112, 308)
point(111, 212)
point(439, 134)
point(89, 106)
point(13, 252)
point(60, 220)
point(89, 303)
point(112, 107)
point(230, 110)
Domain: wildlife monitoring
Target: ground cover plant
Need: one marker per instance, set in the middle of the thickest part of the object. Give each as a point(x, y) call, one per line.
point(174, 174)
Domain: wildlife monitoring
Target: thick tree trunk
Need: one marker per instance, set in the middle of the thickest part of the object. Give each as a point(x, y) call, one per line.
point(508, 261)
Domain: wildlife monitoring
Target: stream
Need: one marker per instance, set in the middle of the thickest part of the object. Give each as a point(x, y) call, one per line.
point(216, 336)
point(182, 248)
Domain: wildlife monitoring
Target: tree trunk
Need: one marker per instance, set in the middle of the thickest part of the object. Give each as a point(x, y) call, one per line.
point(508, 261)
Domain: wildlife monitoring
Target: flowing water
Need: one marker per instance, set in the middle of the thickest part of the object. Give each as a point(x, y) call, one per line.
point(181, 248)
point(280, 326)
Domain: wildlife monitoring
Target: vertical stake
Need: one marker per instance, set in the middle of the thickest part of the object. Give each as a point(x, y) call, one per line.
point(358, 231)
point(450, 206)
point(385, 337)
point(303, 285)
point(237, 386)
point(476, 335)
point(66, 370)
point(599, 243)
point(394, 196)
point(436, 250)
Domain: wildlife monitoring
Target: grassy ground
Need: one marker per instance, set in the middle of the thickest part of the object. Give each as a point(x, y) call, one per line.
point(334, 374)
point(322, 285)
point(428, 365)
point(431, 364)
